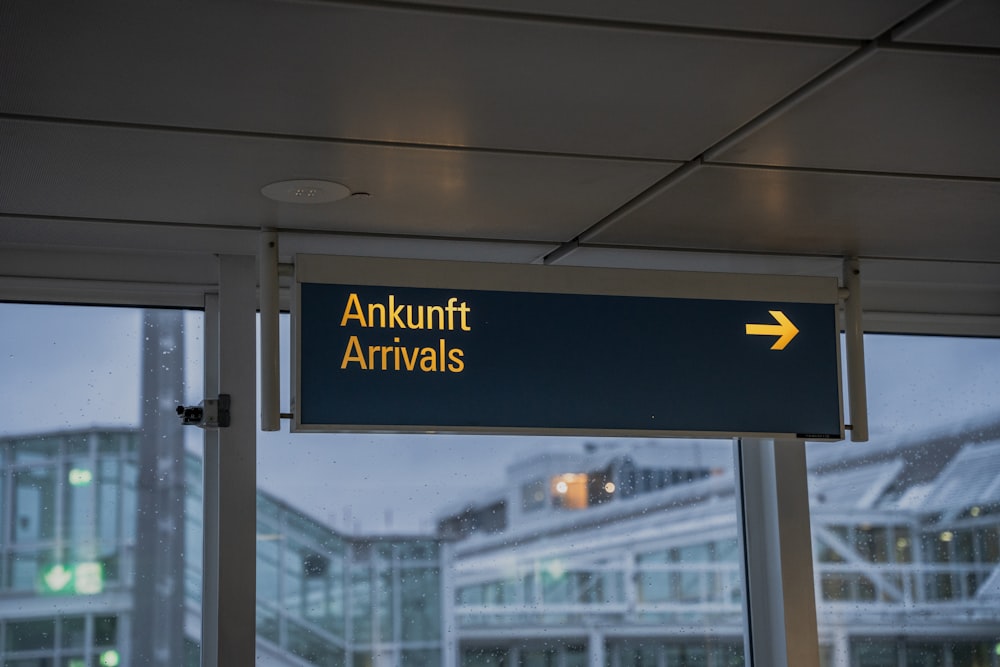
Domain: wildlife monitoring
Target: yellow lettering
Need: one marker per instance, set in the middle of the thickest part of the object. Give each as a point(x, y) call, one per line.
point(408, 361)
point(430, 317)
point(394, 313)
point(420, 320)
point(352, 311)
point(399, 357)
point(372, 307)
point(353, 353)
point(451, 308)
point(428, 359)
point(456, 365)
point(417, 316)
point(464, 309)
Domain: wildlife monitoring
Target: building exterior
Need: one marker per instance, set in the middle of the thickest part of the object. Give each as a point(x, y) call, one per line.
point(68, 568)
point(621, 554)
point(67, 538)
point(616, 557)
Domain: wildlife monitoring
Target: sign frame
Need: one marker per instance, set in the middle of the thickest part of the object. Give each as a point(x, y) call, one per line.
point(557, 280)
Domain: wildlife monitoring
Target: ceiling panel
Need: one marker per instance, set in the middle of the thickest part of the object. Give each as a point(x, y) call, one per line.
point(793, 212)
point(392, 75)
point(195, 178)
point(967, 22)
point(899, 111)
point(25, 237)
point(504, 129)
point(828, 18)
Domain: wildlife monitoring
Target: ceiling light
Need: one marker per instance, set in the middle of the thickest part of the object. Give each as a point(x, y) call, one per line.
point(305, 191)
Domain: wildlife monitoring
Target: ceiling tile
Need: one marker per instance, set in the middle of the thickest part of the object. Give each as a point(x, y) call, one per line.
point(827, 18)
point(792, 212)
point(692, 260)
point(24, 236)
point(966, 23)
point(392, 75)
point(197, 178)
point(900, 111)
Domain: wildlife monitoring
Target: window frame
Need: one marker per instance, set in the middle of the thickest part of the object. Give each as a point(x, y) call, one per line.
point(230, 305)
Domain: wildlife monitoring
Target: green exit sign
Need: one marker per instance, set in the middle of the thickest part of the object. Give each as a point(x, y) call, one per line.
point(85, 578)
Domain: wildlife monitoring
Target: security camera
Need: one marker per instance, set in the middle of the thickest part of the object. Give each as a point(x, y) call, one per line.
point(210, 413)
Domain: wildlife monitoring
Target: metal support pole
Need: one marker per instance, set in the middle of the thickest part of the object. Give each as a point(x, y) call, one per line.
point(449, 639)
point(595, 649)
point(157, 634)
point(270, 367)
point(210, 498)
point(779, 595)
point(854, 333)
point(229, 604)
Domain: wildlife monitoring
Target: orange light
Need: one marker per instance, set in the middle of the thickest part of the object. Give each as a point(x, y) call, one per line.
point(570, 490)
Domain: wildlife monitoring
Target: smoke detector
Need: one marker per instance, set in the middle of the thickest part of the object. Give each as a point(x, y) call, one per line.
point(305, 192)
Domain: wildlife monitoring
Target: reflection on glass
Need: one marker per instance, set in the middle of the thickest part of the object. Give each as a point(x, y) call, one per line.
point(906, 528)
point(80, 571)
point(384, 551)
point(452, 550)
point(592, 552)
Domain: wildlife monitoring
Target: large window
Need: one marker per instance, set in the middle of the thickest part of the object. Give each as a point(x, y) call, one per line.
point(489, 550)
point(429, 550)
point(906, 527)
point(95, 486)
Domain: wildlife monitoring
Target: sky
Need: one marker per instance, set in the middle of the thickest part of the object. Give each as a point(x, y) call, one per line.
point(66, 367)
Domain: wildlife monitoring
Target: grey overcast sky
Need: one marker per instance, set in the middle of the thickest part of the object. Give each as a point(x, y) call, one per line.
point(73, 367)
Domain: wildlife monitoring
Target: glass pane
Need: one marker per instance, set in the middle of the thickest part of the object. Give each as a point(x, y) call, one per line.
point(74, 632)
point(30, 635)
point(427, 550)
point(34, 504)
point(905, 527)
point(93, 485)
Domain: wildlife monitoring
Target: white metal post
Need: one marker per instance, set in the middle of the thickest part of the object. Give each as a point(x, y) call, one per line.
point(210, 498)
point(595, 648)
point(229, 605)
point(779, 600)
point(270, 371)
point(449, 624)
point(857, 391)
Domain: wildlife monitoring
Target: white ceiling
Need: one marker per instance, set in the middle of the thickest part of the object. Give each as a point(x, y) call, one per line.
point(695, 133)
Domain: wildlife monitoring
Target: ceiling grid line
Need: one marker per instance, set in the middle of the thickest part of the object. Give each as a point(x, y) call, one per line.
point(885, 41)
point(702, 134)
point(705, 157)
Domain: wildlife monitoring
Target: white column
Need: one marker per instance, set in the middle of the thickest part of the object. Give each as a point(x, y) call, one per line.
point(595, 648)
point(841, 649)
point(270, 367)
point(229, 603)
point(449, 623)
point(780, 603)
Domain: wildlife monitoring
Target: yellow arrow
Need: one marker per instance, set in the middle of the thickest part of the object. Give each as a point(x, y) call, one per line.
point(784, 329)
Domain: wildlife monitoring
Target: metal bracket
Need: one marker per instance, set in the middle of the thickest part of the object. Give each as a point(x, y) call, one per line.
point(210, 413)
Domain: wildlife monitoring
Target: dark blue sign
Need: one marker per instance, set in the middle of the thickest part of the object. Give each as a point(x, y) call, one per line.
point(390, 358)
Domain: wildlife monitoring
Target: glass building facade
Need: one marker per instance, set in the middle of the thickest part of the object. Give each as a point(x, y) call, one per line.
point(906, 538)
point(906, 541)
point(68, 569)
point(334, 600)
point(67, 537)
point(573, 552)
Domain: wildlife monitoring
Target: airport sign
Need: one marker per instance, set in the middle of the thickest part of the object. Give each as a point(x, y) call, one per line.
point(410, 346)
